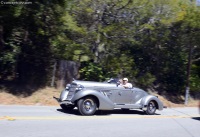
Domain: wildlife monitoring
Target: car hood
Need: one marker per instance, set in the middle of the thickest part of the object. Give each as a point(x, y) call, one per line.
point(87, 84)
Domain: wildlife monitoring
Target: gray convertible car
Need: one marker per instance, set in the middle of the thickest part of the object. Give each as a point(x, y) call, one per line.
point(90, 96)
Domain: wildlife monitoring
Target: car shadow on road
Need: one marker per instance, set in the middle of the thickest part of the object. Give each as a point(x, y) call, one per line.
point(72, 112)
point(107, 112)
point(196, 118)
point(125, 112)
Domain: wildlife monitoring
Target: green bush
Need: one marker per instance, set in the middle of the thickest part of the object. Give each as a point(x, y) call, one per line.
point(92, 72)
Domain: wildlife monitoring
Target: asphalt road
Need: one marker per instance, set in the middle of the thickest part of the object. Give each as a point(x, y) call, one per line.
point(43, 121)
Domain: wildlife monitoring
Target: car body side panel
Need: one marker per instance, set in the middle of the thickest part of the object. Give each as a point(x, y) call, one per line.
point(123, 96)
point(118, 95)
point(137, 95)
point(104, 102)
point(145, 100)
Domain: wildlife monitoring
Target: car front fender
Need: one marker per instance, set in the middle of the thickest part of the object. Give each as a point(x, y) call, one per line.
point(104, 102)
point(148, 98)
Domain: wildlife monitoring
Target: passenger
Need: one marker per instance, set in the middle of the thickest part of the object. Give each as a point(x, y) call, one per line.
point(125, 83)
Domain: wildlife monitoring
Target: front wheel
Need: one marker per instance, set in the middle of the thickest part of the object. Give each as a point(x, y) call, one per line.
point(87, 106)
point(151, 108)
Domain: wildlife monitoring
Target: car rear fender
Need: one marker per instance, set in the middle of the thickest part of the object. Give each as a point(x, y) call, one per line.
point(148, 98)
point(104, 102)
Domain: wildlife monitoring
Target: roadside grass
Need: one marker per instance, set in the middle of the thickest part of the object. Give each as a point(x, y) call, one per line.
point(42, 96)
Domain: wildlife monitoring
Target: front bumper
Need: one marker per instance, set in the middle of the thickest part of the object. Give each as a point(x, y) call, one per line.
point(66, 102)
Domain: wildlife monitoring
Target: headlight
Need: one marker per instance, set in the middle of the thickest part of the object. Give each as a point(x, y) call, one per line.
point(67, 86)
point(79, 87)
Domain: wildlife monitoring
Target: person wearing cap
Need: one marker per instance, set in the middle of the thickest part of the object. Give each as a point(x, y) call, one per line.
point(125, 83)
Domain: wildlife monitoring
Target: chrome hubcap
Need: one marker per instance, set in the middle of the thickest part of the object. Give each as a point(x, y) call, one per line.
point(151, 106)
point(88, 104)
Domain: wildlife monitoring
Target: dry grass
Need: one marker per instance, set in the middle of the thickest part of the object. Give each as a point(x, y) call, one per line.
point(166, 102)
point(45, 97)
point(40, 97)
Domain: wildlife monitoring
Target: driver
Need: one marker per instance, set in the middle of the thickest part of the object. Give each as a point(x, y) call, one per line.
point(125, 83)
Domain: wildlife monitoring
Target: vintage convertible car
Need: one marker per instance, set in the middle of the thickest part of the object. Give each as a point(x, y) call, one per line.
point(90, 96)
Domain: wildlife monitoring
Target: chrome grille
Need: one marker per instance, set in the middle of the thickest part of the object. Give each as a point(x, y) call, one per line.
point(71, 93)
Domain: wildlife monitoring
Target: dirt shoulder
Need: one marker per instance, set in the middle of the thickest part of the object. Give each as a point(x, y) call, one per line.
point(44, 97)
point(40, 97)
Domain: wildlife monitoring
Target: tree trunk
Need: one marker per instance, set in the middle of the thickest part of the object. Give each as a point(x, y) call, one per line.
point(1, 38)
point(187, 91)
point(67, 71)
point(53, 75)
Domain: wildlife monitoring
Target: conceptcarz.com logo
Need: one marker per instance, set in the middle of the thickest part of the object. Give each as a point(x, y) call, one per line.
point(15, 2)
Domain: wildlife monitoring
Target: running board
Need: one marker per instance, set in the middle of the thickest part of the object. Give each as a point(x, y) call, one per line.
point(130, 106)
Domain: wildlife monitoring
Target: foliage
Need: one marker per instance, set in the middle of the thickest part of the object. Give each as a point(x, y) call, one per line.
point(146, 41)
point(92, 72)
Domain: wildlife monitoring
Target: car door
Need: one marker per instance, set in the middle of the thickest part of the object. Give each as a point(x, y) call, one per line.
point(123, 96)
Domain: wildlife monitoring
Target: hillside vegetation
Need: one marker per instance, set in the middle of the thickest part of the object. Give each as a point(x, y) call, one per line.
point(155, 43)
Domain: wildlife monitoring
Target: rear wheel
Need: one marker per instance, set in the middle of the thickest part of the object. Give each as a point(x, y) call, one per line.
point(67, 108)
point(151, 108)
point(87, 106)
